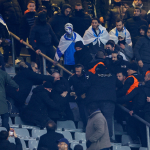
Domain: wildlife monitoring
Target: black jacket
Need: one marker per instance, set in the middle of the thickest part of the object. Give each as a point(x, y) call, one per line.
point(49, 140)
point(6, 145)
point(43, 34)
point(26, 24)
point(141, 49)
point(102, 87)
point(26, 78)
point(11, 11)
point(83, 57)
point(81, 22)
point(133, 25)
point(36, 111)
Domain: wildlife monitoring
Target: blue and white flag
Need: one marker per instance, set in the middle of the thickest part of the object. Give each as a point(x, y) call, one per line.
point(114, 35)
point(91, 37)
point(3, 23)
point(65, 42)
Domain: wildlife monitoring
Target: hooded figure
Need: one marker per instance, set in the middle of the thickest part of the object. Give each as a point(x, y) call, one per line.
point(58, 21)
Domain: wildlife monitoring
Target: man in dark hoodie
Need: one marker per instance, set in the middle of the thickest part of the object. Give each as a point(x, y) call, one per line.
point(45, 38)
point(36, 112)
point(58, 21)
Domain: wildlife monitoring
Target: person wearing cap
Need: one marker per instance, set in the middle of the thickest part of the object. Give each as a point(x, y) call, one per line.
point(142, 53)
point(96, 36)
point(66, 48)
point(49, 140)
point(120, 28)
point(125, 48)
point(63, 144)
point(59, 20)
point(5, 79)
point(36, 112)
point(42, 38)
point(133, 24)
point(82, 55)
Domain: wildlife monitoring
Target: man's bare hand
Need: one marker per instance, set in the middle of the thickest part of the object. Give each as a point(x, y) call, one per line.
point(131, 112)
point(64, 94)
point(140, 63)
point(122, 46)
point(38, 51)
point(17, 90)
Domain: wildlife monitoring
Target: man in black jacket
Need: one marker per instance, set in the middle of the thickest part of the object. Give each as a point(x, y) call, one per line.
point(45, 38)
point(49, 140)
point(58, 21)
point(102, 83)
point(26, 78)
point(142, 52)
point(11, 12)
point(135, 22)
point(80, 20)
point(36, 112)
point(5, 144)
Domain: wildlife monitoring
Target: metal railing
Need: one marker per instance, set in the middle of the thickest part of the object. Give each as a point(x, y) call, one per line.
point(141, 120)
point(45, 57)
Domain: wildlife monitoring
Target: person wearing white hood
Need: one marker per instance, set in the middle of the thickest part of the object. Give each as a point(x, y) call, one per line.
point(96, 36)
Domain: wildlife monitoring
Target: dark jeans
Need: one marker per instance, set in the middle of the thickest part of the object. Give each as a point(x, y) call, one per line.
point(5, 120)
point(68, 67)
point(108, 108)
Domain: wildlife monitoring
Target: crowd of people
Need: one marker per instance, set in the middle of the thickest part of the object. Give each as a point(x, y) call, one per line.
point(108, 56)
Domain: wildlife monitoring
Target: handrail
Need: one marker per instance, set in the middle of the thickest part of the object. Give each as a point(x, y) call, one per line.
point(134, 115)
point(43, 55)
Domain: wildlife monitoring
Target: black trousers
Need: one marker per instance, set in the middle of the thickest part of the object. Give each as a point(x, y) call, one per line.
point(6, 49)
point(5, 120)
point(108, 108)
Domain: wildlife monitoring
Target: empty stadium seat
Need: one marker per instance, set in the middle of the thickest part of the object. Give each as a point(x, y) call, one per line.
point(23, 144)
point(19, 121)
point(143, 148)
point(73, 144)
point(22, 133)
point(3, 128)
point(33, 144)
point(80, 136)
point(66, 134)
point(118, 129)
point(126, 139)
point(67, 126)
point(11, 140)
point(119, 147)
point(38, 133)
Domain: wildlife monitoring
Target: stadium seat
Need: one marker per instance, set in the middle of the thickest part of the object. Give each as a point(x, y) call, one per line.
point(66, 134)
point(3, 128)
point(23, 144)
point(119, 147)
point(33, 144)
point(38, 133)
point(22, 133)
point(12, 140)
point(73, 144)
point(118, 129)
point(80, 125)
point(126, 140)
point(19, 121)
point(143, 148)
point(80, 136)
point(10, 121)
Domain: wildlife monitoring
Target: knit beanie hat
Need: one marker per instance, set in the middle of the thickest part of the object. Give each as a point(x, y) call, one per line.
point(47, 85)
point(79, 44)
point(133, 66)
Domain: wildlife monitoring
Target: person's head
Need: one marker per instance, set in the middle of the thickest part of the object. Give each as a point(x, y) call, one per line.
point(51, 126)
point(95, 23)
point(34, 67)
point(63, 144)
point(100, 54)
point(143, 29)
point(79, 45)
point(78, 7)
point(117, 0)
point(137, 11)
point(147, 77)
point(148, 33)
point(31, 6)
point(92, 107)
point(121, 75)
point(66, 9)
point(119, 24)
point(110, 45)
point(78, 147)
point(137, 2)
point(42, 9)
point(79, 10)
point(132, 68)
point(68, 28)
point(42, 17)
point(4, 135)
point(121, 36)
point(56, 76)
point(114, 56)
point(79, 69)
point(48, 86)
